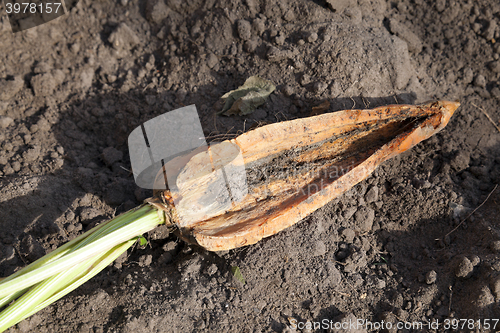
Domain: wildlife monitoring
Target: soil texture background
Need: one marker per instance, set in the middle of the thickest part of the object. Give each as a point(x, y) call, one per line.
point(397, 247)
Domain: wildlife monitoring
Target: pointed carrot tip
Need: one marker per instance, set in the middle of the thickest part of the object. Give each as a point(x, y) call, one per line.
point(451, 106)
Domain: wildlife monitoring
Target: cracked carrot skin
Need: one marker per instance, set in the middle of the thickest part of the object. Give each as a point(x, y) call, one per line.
point(318, 158)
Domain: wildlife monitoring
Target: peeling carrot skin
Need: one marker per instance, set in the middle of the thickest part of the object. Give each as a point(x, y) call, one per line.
point(352, 141)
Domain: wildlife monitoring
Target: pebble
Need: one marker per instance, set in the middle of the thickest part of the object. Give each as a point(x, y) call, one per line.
point(304, 79)
point(371, 195)
point(460, 161)
point(75, 48)
point(7, 169)
point(465, 268)
point(150, 99)
point(212, 269)
point(244, 29)
point(212, 60)
point(480, 81)
point(31, 248)
point(156, 10)
point(287, 90)
point(312, 37)
point(431, 277)
point(5, 121)
point(145, 260)
point(70, 215)
point(181, 94)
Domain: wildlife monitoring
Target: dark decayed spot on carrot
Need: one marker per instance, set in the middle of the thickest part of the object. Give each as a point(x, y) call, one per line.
point(235, 193)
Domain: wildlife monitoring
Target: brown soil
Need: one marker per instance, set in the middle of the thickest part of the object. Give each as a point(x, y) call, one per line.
point(72, 90)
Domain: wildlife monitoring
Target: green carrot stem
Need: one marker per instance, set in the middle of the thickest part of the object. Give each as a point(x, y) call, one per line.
point(66, 268)
point(141, 220)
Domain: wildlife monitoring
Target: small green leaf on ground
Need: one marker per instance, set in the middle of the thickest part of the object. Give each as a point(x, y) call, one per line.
point(142, 241)
point(237, 274)
point(244, 100)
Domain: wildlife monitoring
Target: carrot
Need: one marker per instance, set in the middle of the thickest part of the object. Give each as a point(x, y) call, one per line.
point(319, 158)
point(235, 193)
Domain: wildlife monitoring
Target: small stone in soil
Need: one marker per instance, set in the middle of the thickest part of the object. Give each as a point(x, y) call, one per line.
point(480, 81)
point(371, 195)
point(430, 277)
point(145, 260)
point(212, 60)
point(465, 268)
point(244, 29)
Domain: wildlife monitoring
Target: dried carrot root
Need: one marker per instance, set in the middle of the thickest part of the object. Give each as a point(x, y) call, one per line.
point(276, 175)
point(292, 169)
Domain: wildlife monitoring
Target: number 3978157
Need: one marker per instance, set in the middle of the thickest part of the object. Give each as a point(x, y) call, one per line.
point(26, 7)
